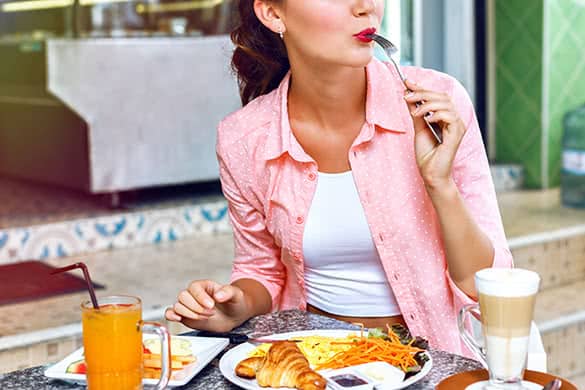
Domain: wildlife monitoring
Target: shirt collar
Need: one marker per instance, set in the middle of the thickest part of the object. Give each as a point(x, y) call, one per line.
point(385, 109)
point(385, 105)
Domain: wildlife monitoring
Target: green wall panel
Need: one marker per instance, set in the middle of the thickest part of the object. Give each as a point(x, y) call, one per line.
point(519, 85)
point(540, 75)
point(566, 72)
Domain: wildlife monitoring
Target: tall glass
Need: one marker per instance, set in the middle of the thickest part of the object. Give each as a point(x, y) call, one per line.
point(112, 341)
point(506, 307)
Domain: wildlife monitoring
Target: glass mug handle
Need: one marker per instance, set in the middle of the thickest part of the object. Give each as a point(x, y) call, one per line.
point(472, 309)
point(165, 338)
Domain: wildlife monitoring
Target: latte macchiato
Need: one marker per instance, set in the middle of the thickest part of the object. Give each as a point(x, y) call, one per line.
point(506, 303)
point(506, 316)
point(506, 327)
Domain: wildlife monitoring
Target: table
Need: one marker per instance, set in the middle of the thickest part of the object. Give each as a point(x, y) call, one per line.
point(444, 364)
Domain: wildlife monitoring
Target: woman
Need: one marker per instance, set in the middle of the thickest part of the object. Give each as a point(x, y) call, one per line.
point(341, 201)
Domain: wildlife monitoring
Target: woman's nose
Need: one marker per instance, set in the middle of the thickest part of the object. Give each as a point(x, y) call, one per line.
point(364, 7)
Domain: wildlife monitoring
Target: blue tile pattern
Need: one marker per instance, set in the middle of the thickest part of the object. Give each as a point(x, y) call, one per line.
point(89, 235)
point(3, 239)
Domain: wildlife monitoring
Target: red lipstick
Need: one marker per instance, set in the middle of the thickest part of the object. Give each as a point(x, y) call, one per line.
point(363, 35)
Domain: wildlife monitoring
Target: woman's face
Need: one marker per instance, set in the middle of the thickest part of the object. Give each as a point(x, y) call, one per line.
point(323, 31)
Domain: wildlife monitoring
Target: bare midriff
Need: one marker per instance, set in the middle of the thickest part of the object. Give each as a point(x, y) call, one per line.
point(368, 322)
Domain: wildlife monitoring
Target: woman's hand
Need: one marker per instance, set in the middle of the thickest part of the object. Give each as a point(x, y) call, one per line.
point(434, 160)
point(207, 305)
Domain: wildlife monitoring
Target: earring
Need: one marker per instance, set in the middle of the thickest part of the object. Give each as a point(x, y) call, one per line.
point(281, 32)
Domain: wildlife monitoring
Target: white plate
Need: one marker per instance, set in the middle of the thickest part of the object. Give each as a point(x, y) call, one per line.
point(203, 348)
point(231, 358)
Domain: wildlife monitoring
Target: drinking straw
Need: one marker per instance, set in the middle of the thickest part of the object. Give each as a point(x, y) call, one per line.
point(85, 276)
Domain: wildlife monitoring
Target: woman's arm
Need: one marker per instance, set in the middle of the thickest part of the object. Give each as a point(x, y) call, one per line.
point(258, 299)
point(457, 178)
point(467, 248)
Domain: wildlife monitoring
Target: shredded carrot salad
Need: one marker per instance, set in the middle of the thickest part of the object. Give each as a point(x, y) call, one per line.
point(365, 350)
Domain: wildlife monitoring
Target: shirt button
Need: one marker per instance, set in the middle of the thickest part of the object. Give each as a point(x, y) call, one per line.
point(300, 220)
point(312, 176)
point(412, 316)
point(396, 277)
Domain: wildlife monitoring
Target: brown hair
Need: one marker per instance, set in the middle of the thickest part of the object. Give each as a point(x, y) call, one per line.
point(260, 60)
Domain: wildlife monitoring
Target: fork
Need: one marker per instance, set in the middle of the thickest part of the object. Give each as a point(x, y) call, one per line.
point(390, 50)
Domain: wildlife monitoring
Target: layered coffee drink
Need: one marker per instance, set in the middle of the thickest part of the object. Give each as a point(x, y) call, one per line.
point(506, 326)
point(506, 301)
point(506, 305)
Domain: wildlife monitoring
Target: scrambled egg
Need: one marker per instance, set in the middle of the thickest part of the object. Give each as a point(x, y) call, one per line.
point(317, 349)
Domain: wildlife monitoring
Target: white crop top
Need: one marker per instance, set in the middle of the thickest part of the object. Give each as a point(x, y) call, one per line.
point(343, 272)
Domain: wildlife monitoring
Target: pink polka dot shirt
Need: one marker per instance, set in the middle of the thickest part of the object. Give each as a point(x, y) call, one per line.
point(269, 181)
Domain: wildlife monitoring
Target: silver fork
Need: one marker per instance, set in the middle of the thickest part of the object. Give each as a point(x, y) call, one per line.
point(390, 50)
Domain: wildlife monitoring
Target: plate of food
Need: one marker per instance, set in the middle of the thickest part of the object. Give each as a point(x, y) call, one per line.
point(330, 359)
point(189, 355)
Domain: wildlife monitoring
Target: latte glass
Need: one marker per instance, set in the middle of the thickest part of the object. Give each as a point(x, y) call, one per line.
point(506, 307)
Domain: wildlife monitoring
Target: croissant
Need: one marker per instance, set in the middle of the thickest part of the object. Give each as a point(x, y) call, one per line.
point(247, 368)
point(283, 366)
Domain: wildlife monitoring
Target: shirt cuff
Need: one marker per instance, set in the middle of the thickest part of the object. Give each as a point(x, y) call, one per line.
point(459, 297)
point(503, 258)
point(273, 288)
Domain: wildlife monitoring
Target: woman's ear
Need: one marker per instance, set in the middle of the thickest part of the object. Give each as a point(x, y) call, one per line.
point(269, 15)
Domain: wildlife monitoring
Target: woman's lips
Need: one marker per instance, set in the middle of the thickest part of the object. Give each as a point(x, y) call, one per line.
point(363, 35)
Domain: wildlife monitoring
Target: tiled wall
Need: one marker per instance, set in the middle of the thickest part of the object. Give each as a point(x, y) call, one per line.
point(566, 71)
point(37, 354)
point(518, 25)
point(565, 350)
point(559, 262)
point(540, 75)
point(89, 235)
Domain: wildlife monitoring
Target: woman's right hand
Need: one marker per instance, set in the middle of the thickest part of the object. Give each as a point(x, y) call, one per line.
point(207, 305)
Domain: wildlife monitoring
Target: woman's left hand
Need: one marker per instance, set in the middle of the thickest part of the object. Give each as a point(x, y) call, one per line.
point(434, 160)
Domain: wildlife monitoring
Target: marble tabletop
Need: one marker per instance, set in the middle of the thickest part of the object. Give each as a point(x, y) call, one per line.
point(444, 364)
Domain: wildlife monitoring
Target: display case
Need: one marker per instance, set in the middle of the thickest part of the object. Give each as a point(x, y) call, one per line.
point(36, 20)
point(82, 80)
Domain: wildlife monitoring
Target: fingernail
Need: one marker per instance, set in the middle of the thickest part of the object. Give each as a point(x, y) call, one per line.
point(408, 95)
point(220, 295)
point(208, 303)
point(413, 113)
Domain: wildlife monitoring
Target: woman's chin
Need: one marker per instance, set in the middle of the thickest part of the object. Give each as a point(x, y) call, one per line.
point(360, 58)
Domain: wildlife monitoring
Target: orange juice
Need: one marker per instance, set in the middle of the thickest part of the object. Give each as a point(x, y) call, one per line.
point(112, 341)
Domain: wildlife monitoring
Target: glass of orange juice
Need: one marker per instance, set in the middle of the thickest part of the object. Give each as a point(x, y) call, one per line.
point(112, 342)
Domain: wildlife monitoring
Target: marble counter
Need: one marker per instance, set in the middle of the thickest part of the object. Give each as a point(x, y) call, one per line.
point(444, 364)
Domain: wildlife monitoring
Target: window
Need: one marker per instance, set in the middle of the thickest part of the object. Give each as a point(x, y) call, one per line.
point(397, 25)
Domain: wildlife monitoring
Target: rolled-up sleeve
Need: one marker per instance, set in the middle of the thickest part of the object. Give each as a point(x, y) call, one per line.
point(472, 176)
point(257, 256)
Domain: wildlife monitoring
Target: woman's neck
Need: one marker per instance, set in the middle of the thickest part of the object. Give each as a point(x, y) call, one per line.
point(328, 98)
